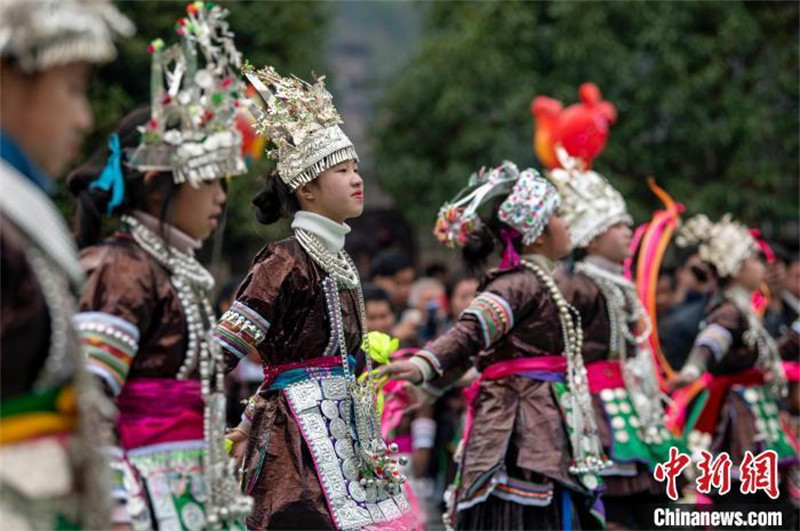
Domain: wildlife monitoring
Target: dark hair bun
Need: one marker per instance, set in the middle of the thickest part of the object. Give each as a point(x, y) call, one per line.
point(480, 245)
point(275, 201)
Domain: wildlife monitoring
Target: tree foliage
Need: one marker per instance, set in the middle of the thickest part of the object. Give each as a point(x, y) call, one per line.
point(706, 92)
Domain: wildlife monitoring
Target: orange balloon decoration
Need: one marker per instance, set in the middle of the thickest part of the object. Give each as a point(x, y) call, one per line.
point(581, 128)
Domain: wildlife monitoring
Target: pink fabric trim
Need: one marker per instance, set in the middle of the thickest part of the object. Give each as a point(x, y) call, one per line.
point(765, 247)
point(159, 410)
point(395, 403)
point(792, 370)
point(635, 241)
point(407, 522)
point(404, 444)
point(678, 409)
point(704, 499)
point(510, 257)
point(502, 369)
point(604, 375)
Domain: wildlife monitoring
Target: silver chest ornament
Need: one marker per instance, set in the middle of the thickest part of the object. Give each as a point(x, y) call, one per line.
point(340, 419)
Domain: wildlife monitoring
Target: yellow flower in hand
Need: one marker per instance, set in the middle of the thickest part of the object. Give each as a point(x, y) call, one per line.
point(381, 346)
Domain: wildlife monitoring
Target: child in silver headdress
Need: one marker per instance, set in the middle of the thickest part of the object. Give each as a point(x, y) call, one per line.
point(145, 316)
point(734, 368)
point(315, 458)
point(51, 476)
point(619, 363)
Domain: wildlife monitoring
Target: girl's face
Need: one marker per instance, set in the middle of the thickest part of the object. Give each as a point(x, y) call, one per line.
point(555, 243)
point(48, 113)
point(752, 274)
point(197, 211)
point(337, 194)
point(614, 244)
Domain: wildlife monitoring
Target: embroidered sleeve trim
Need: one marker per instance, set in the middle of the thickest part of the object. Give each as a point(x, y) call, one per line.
point(241, 329)
point(109, 343)
point(429, 357)
point(717, 339)
point(494, 315)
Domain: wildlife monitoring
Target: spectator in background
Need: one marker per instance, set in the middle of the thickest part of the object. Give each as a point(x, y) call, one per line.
point(784, 285)
point(460, 292)
point(665, 291)
point(426, 315)
point(406, 422)
point(450, 408)
point(393, 271)
point(378, 306)
point(678, 327)
point(438, 271)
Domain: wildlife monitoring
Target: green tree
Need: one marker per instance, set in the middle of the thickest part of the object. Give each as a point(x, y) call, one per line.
point(706, 92)
point(287, 35)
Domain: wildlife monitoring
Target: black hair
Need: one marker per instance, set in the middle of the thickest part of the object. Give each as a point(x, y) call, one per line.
point(275, 200)
point(578, 254)
point(435, 269)
point(484, 240)
point(682, 254)
point(92, 203)
point(373, 293)
point(669, 273)
point(389, 262)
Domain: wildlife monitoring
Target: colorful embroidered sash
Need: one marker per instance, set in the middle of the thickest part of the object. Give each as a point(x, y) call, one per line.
point(717, 388)
point(278, 377)
point(159, 410)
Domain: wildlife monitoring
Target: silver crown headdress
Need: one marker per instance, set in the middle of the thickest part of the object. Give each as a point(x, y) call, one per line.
point(47, 33)
point(590, 205)
point(192, 130)
point(302, 123)
point(725, 244)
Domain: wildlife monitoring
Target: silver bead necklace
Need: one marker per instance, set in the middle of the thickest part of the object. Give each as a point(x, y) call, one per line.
point(339, 266)
point(225, 503)
point(626, 311)
point(371, 448)
point(756, 336)
point(192, 283)
point(587, 449)
point(624, 308)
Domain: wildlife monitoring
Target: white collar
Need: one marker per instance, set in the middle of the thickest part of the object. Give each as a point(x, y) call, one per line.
point(330, 233)
point(174, 237)
point(605, 263)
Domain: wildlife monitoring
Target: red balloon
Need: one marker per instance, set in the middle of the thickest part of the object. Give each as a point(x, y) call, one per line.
point(581, 128)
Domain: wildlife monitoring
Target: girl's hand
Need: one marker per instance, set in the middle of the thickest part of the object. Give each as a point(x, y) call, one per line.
point(239, 439)
point(401, 370)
